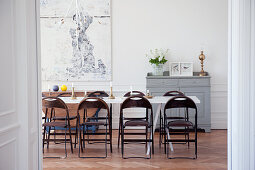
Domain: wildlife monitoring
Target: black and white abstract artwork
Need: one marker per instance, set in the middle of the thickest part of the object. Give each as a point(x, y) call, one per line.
point(75, 48)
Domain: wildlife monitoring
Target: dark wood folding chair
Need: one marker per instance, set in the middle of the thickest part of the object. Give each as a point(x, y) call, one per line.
point(62, 118)
point(136, 102)
point(101, 94)
point(49, 104)
point(187, 104)
point(161, 123)
point(88, 103)
point(128, 94)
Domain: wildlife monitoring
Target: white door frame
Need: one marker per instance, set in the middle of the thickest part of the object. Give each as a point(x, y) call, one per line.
point(39, 82)
point(241, 85)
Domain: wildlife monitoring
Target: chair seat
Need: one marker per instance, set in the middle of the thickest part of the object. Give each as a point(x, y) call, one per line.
point(180, 123)
point(93, 123)
point(136, 123)
point(64, 118)
point(135, 118)
point(175, 117)
point(55, 124)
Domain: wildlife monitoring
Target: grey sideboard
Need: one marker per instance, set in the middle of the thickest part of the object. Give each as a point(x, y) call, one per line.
point(190, 86)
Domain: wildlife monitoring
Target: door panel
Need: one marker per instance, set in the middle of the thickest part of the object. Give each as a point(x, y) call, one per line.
point(19, 125)
point(8, 112)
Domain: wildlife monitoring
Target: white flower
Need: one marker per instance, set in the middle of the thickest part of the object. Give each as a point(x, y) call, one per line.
point(157, 53)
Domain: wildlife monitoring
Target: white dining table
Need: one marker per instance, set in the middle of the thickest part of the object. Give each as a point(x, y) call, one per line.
point(160, 100)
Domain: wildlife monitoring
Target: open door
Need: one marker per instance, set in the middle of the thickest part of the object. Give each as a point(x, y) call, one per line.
point(20, 100)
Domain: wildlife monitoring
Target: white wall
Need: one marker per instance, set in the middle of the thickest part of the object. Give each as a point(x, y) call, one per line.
point(183, 26)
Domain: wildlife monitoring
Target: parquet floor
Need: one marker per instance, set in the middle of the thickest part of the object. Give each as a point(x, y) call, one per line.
point(212, 154)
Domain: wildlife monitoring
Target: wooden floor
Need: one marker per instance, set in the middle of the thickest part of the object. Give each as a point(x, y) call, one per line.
point(212, 154)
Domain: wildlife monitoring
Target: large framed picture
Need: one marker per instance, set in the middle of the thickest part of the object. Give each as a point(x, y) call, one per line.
point(181, 68)
point(71, 51)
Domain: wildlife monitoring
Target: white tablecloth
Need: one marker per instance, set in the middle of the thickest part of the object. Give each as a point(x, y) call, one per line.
point(156, 99)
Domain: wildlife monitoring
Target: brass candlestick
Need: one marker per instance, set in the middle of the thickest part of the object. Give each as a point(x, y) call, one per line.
point(111, 95)
point(202, 58)
point(73, 94)
point(148, 95)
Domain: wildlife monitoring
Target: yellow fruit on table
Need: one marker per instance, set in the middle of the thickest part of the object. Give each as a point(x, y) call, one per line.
point(63, 87)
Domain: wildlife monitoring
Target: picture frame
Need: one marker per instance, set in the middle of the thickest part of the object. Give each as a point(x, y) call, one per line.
point(181, 69)
point(186, 68)
point(174, 68)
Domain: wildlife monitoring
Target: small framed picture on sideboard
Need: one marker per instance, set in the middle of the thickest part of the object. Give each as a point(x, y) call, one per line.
point(186, 68)
point(174, 68)
point(181, 68)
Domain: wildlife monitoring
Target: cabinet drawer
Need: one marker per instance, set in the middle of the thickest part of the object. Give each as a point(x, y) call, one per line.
point(194, 82)
point(155, 82)
point(162, 83)
point(170, 82)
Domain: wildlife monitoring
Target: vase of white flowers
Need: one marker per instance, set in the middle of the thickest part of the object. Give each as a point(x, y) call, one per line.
point(157, 60)
point(157, 70)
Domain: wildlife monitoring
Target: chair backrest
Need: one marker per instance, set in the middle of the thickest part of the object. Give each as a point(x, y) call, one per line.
point(93, 102)
point(66, 94)
point(134, 93)
point(174, 93)
point(136, 101)
point(54, 103)
point(98, 94)
point(180, 102)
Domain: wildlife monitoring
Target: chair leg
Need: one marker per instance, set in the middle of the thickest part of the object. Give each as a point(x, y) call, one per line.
point(188, 136)
point(48, 138)
point(105, 140)
point(44, 133)
point(76, 134)
point(70, 135)
point(119, 133)
point(122, 141)
point(110, 127)
point(75, 139)
point(152, 139)
point(152, 145)
point(195, 143)
point(146, 136)
point(54, 134)
point(160, 133)
point(88, 140)
point(84, 142)
point(165, 140)
point(110, 132)
point(65, 143)
point(80, 143)
point(83, 132)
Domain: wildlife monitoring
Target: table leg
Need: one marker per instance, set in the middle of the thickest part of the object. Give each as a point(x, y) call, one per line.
point(154, 126)
point(171, 145)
